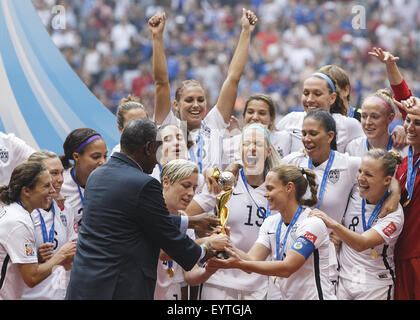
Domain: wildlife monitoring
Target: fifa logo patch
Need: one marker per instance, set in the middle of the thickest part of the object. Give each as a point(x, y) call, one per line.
point(4, 155)
point(29, 250)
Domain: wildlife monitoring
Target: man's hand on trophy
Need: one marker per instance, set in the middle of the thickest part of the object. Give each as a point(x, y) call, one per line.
point(203, 222)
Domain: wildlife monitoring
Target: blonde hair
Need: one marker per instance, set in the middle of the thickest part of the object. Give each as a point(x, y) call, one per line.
point(390, 159)
point(301, 178)
point(42, 155)
point(126, 104)
point(179, 169)
point(385, 95)
point(273, 159)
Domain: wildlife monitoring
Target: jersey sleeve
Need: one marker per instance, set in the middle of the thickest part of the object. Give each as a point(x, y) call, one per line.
point(354, 164)
point(206, 200)
point(170, 119)
point(390, 226)
point(265, 232)
point(20, 245)
point(354, 129)
point(293, 158)
point(21, 150)
point(215, 120)
point(309, 236)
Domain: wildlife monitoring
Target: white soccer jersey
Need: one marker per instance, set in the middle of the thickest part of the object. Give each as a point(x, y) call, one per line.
point(17, 246)
point(360, 267)
point(213, 128)
point(244, 221)
point(311, 281)
point(54, 287)
point(281, 141)
point(13, 151)
point(358, 148)
point(117, 148)
point(341, 179)
point(348, 129)
point(73, 202)
point(169, 288)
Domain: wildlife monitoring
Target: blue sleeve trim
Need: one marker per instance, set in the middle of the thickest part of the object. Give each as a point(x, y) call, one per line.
point(304, 247)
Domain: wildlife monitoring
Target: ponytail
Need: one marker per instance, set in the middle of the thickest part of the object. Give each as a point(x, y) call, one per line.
point(313, 187)
point(301, 178)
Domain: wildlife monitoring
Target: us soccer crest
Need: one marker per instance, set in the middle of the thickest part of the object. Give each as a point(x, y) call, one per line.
point(4, 155)
point(334, 176)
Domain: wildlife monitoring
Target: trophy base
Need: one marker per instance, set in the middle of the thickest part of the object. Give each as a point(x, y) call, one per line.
point(222, 255)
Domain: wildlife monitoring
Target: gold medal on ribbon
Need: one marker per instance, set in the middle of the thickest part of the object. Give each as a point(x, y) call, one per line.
point(406, 203)
point(373, 254)
point(170, 272)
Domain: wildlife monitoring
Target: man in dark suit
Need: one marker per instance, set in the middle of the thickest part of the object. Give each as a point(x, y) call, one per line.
point(125, 223)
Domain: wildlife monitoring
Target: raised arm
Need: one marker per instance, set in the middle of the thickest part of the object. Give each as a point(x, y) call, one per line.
point(229, 91)
point(160, 71)
point(393, 73)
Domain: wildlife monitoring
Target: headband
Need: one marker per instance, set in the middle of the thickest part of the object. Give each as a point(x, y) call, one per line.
point(326, 78)
point(86, 142)
point(383, 103)
point(260, 128)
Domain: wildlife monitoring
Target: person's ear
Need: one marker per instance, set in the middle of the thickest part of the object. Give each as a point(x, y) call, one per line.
point(148, 148)
point(165, 182)
point(26, 192)
point(333, 96)
point(331, 135)
point(76, 156)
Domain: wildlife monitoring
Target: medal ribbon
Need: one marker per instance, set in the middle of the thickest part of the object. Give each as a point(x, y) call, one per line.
point(199, 159)
point(82, 199)
point(388, 146)
point(411, 172)
point(351, 111)
point(267, 210)
point(325, 177)
point(374, 213)
point(47, 237)
point(294, 219)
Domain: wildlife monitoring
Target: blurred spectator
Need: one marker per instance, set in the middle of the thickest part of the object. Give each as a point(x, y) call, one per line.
point(107, 44)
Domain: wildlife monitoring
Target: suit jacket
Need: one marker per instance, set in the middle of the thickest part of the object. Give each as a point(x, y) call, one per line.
point(125, 223)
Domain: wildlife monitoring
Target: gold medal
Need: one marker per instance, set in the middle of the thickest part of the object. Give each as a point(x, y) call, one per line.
point(170, 272)
point(406, 203)
point(373, 254)
point(275, 279)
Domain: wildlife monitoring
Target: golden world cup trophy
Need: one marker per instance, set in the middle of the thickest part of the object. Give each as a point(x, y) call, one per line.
point(226, 181)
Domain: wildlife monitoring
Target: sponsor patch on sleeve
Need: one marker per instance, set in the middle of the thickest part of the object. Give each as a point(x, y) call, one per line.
point(310, 237)
point(29, 250)
point(389, 229)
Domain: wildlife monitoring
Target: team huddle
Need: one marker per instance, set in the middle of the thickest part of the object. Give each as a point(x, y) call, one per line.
point(323, 205)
